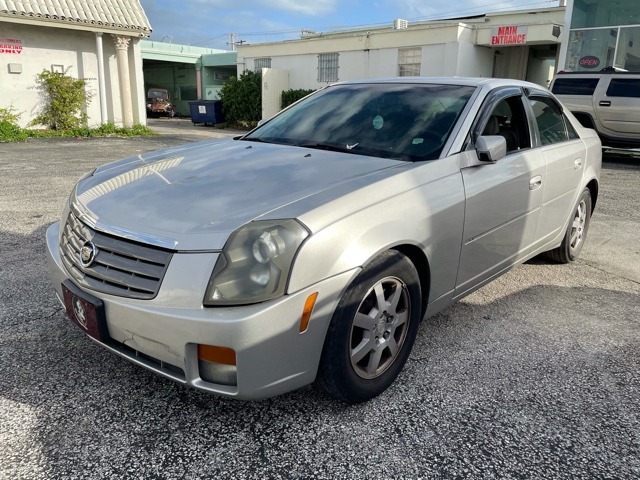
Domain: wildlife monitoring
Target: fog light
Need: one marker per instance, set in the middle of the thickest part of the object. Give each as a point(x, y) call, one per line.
point(217, 365)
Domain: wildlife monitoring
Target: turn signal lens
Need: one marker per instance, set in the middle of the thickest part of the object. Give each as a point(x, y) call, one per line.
point(308, 310)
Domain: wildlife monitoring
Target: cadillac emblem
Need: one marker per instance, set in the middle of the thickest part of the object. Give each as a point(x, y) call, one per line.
point(88, 254)
point(79, 312)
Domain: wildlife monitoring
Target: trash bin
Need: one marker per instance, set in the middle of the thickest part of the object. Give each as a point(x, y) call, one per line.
point(206, 111)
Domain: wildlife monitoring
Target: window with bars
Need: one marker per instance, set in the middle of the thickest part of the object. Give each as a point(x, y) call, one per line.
point(328, 67)
point(260, 63)
point(409, 61)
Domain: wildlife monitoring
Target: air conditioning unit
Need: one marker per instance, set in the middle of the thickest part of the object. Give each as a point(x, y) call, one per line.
point(400, 24)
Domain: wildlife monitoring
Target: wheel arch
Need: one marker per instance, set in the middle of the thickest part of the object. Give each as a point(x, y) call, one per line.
point(585, 119)
point(421, 264)
point(593, 189)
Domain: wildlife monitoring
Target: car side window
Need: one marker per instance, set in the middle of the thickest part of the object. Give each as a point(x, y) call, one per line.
point(624, 87)
point(508, 119)
point(550, 121)
point(570, 130)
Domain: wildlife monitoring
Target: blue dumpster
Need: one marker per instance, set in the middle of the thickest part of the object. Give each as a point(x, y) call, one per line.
point(206, 111)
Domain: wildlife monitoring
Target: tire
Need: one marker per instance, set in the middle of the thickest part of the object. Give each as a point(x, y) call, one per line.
point(367, 345)
point(576, 233)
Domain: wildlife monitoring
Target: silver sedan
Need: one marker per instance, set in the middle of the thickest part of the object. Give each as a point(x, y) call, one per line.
point(310, 249)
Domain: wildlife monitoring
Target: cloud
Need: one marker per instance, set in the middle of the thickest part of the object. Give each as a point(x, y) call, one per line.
point(317, 7)
point(416, 9)
point(310, 8)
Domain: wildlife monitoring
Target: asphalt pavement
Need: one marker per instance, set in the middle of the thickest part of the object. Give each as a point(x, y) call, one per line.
point(535, 375)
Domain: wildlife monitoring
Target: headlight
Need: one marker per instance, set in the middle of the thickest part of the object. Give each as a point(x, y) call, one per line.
point(255, 263)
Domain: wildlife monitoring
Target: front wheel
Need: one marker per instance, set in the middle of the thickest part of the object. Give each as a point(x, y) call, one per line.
point(576, 233)
point(372, 330)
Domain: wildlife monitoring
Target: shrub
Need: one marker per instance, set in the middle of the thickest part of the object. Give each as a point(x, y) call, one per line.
point(9, 129)
point(292, 96)
point(10, 132)
point(9, 115)
point(65, 99)
point(242, 98)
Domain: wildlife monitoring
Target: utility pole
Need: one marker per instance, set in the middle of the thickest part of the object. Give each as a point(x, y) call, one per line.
point(233, 43)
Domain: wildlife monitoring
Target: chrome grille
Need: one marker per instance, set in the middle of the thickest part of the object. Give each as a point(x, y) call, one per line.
point(121, 267)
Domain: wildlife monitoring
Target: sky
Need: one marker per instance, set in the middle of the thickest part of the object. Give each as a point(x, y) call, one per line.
point(208, 23)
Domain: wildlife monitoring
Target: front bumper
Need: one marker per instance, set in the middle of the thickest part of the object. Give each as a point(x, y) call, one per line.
point(162, 334)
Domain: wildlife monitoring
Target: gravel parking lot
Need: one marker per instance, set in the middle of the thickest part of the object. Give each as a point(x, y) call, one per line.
point(534, 376)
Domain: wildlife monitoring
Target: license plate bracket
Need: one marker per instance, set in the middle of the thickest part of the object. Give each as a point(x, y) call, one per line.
point(86, 311)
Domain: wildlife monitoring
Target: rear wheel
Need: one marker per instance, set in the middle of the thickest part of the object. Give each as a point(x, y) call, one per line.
point(372, 331)
point(576, 233)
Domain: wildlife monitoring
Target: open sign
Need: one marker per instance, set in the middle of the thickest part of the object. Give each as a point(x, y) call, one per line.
point(589, 61)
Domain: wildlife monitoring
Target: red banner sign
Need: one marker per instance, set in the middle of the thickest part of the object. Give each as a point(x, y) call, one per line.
point(11, 45)
point(509, 35)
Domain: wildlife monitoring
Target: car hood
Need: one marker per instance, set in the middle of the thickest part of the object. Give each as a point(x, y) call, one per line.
point(193, 197)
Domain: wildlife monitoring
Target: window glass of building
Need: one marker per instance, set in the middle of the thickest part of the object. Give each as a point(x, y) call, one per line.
point(260, 63)
point(409, 62)
point(328, 67)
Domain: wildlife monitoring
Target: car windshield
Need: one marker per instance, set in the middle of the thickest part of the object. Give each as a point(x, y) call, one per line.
point(158, 94)
point(397, 121)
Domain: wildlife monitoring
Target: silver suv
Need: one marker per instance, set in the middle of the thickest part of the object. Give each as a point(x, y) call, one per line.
point(607, 101)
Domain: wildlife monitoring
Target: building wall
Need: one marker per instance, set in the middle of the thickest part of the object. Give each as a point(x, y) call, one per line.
point(213, 78)
point(75, 51)
point(462, 48)
point(452, 58)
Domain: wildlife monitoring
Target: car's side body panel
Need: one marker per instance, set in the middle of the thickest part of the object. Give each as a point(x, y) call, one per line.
point(424, 206)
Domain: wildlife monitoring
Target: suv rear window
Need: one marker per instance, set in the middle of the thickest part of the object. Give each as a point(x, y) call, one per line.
point(624, 87)
point(574, 86)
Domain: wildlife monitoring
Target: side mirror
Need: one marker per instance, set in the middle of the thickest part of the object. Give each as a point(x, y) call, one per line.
point(491, 148)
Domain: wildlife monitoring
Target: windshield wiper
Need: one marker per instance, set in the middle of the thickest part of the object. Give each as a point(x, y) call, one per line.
point(325, 146)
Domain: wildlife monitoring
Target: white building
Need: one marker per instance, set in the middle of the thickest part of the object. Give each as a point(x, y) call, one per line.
point(95, 40)
point(519, 44)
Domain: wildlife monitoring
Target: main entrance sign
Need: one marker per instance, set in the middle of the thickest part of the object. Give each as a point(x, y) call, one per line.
point(509, 35)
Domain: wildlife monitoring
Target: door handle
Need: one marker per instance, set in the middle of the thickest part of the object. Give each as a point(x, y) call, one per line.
point(577, 164)
point(605, 103)
point(535, 182)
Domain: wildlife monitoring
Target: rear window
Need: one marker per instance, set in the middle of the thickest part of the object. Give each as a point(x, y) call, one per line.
point(574, 86)
point(624, 87)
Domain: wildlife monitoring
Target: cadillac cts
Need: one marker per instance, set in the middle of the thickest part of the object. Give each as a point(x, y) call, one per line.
point(310, 248)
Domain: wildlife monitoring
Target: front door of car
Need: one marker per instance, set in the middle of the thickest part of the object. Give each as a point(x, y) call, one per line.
point(503, 199)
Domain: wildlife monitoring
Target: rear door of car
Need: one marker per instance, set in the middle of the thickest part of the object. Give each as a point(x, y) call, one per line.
point(617, 104)
point(503, 198)
point(564, 155)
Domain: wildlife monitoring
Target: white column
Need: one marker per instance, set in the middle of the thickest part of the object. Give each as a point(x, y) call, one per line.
point(122, 46)
point(102, 90)
point(199, 79)
point(564, 38)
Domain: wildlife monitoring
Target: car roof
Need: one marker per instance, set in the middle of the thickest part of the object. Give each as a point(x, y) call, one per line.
point(464, 81)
